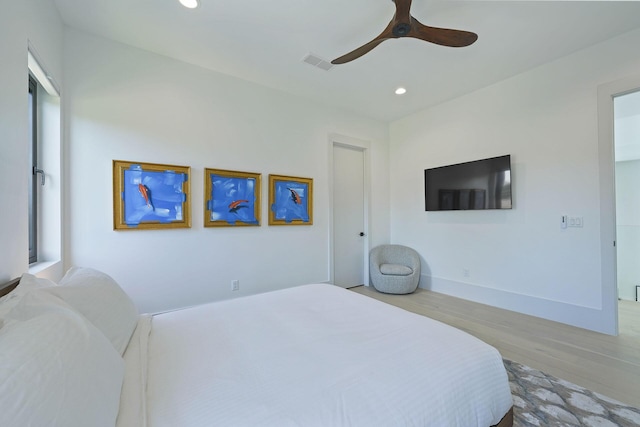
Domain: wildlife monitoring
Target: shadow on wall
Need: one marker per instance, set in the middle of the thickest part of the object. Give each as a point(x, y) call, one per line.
point(425, 275)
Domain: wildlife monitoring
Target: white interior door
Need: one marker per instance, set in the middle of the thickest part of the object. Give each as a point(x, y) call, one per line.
point(348, 216)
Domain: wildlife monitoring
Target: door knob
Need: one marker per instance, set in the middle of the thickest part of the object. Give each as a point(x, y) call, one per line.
point(361, 234)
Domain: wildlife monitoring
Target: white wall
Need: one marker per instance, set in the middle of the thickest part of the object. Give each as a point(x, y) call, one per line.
point(21, 22)
point(518, 259)
point(127, 104)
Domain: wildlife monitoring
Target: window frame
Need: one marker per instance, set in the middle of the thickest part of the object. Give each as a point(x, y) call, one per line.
point(33, 155)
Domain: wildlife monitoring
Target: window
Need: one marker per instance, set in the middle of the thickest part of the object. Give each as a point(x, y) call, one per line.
point(33, 183)
point(44, 141)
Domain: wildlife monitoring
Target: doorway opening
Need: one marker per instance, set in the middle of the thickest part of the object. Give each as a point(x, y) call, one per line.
point(626, 113)
point(611, 100)
point(626, 109)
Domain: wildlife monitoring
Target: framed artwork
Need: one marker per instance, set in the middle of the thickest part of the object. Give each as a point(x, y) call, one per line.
point(231, 198)
point(290, 200)
point(150, 196)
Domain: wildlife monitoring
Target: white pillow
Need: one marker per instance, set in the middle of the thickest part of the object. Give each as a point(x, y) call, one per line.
point(28, 282)
point(100, 299)
point(56, 368)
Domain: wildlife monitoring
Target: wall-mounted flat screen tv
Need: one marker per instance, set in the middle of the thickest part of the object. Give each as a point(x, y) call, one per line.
point(481, 184)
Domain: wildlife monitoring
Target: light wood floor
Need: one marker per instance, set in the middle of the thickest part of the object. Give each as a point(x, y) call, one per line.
point(605, 364)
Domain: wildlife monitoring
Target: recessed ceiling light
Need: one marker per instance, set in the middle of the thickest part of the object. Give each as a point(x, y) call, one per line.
point(401, 91)
point(191, 4)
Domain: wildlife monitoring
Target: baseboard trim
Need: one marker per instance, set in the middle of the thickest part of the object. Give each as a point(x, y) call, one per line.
point(590, 318)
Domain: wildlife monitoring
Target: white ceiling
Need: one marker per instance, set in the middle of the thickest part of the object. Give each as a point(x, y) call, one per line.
point(266, 41)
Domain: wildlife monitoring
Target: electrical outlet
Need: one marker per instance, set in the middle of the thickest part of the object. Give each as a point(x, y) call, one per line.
point(235, 285)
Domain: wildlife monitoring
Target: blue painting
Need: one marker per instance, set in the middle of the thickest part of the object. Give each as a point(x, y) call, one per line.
point(291, 200)
point(232, 198)
point(151, 196)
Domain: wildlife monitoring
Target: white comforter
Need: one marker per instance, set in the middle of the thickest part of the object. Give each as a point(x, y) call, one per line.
point(314, 355)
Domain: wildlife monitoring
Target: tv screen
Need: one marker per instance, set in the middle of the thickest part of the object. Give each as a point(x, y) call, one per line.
point(481, 184)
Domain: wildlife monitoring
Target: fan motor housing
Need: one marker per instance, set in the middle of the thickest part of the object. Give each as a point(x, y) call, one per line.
point(401, 29)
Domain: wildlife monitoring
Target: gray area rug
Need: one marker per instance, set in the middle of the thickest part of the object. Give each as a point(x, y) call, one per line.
point(542, 400)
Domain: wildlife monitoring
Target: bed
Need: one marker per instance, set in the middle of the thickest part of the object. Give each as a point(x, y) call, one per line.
point(312, 355)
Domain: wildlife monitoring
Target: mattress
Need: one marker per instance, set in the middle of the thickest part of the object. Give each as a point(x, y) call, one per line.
point(313, 355)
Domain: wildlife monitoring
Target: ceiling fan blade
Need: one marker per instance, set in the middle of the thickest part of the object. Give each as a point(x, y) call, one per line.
point(357, 53)
point(403, 8)
point(441, 36)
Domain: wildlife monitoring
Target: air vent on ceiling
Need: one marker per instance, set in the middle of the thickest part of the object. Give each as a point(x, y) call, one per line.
point(316, 61)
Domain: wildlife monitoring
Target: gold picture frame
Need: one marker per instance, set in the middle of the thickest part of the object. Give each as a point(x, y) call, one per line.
point(150, 196)
point(290, 200)
point(231, 198)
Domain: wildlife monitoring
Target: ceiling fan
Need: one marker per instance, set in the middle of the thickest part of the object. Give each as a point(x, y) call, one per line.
point(405, 25)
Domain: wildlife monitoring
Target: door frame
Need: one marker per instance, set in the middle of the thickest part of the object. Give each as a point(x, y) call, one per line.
point(606, 154)
point(365, 148)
